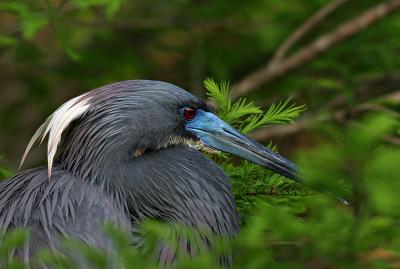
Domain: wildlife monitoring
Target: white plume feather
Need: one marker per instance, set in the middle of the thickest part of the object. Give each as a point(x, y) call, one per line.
point(55, 125)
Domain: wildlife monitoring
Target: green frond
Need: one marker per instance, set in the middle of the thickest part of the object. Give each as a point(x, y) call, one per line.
point(280, 113)
point(246, 115)
point(218, 93)
point(240, 109)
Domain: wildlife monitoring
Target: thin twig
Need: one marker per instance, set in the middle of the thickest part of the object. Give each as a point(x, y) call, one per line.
point(304, 123)
point(306, 27)
point(310, 52)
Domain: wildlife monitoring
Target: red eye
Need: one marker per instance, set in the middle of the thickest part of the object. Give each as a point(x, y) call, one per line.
point(189, 113)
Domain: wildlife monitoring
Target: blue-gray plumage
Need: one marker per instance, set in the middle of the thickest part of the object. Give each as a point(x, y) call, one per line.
point(131, 153)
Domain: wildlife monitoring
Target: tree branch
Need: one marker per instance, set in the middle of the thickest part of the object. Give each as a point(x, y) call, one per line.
point(306, 27)
point(338, 114)
point(319, 46)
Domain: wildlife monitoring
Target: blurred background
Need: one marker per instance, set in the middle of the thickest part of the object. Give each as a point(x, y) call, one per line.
point(341, 58)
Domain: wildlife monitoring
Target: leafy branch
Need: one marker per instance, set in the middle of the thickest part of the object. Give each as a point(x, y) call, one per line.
point(249, 180)
point(274, 69)
point(245, 115)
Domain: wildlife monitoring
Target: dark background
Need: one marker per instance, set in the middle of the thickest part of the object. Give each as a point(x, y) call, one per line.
point(345, 57)
point(341, 58)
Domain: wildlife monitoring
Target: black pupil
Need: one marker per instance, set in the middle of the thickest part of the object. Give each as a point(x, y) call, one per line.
point(189, 113)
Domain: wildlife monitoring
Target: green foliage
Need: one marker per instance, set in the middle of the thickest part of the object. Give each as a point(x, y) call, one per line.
point(250, 181)
point(312, 229)
point(284, 225)
point(8, 242)
point(278, 113)
point(110, 6)
point(228, 111)
point(31, 20)
point(4, 172)
point(245, 115)
point(316, 230)
point(51, 50)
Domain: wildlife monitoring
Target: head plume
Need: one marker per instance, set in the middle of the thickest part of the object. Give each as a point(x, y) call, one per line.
point(55, 125)
point(116, 122)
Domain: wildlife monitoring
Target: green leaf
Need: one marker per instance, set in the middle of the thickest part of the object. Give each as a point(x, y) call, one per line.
point(4, 172)
point(31, 20)
point(110, 6)
point(246, 115)
point(7, 40)
point(279, 113)
point(238, 110)
point(218, 93)
point(11, 240)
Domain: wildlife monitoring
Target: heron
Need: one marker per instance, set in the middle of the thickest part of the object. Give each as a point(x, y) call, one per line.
point(132, 150)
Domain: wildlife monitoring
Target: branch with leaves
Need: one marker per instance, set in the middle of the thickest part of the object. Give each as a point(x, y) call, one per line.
point(337, 114)
point(275, 69)
point(245, 115)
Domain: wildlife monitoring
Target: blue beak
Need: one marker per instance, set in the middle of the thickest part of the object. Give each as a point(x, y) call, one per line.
point(217, 134)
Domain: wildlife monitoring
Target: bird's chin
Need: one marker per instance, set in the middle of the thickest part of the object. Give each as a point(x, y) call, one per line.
point(200, 146)
point(138, 152)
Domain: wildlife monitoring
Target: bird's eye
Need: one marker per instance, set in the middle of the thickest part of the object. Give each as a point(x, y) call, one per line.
point(189, 113)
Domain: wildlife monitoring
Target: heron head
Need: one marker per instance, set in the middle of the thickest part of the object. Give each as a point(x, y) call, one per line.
point(131, 118)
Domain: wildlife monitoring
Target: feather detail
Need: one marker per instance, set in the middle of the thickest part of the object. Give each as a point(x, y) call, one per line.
point(55, 125)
